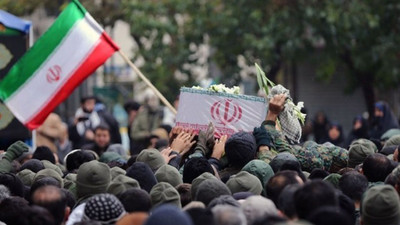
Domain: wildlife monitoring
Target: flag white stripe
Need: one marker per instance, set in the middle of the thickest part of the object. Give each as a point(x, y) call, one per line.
point(69, 55)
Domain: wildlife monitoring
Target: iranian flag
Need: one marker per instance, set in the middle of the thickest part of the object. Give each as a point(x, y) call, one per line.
point(70, 50)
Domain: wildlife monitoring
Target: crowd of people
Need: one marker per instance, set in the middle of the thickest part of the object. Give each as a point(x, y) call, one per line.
point(172, 176)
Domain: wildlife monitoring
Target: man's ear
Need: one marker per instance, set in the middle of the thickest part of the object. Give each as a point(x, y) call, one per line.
point(67, 212)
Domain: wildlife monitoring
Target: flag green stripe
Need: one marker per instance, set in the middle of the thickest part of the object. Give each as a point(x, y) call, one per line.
point(43, 48)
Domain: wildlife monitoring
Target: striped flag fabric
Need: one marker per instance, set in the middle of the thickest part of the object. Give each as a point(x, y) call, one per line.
point(66, 54)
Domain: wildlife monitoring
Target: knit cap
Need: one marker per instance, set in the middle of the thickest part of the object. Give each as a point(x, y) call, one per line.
point(48, 173)
point(115, 171)
point(49, 165)
point(196, 182)
point(257, 207)
point(151, 157)
point(92, 178)
point(26, 176)
point(34, 165)
point(168, 215)
point(163, 193)
point(240, 148)
point(117, 148)
point(333, 178)
point(280, 159)
point(142, 173)
point(359, 150)
point(390, 133)
point(70, 183)
point(103, 208)
point(44, 153)
point(393, 141)
point(122, 183)
point(380, 205)
point(211, 189)
point(108, 157)
point(260, 169)
point(169, 174)
point(244, 182)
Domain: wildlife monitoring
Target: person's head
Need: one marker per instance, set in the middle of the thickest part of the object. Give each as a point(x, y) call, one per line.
point(240, 149)
point(76, 158)
point(104, 208)
point(194, 167)
point(380, 205)
point(184, 191)
point(13, 183)
point(210, 189)
point(164, 193)
point(142, 173)
point(11, 210)
point(244, 182)
point(335, 131)
point(312, 196)
point(359, 150)
point(168, 215)
point(320, 118)
point(379, 109)
point(88, 103)
point(257, 207)
point(132, 108)
point(34, 165)
point(228, 215)
point(376, 167)
point(279, 181)
point(92, 178)
point(201, 216)
point(329, 215)
point(223, 200)
point(102, 136)
point(54, 200)
point(152, 102)
point(135, 200)
point(286, 201)
point(44, 153)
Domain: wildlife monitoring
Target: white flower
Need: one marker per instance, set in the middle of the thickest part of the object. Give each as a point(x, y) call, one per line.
point(300, 105)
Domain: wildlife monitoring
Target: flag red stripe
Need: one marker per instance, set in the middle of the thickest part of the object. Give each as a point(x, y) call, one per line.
point(105, 48)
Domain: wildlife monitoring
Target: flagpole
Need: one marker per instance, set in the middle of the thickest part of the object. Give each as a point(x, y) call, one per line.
point(162, 98)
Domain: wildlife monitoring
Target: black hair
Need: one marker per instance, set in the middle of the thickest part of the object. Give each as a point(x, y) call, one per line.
point(44, 153)
point(13, 183)
point(135, 200)
point(312, 196)
point(43, 182)
point(102, 126)
point(286, 200)
point(347, 205)
point(201, 216)
point(184, 191)
point(376, 167)
point(194, 167)
point(353, 184)
point(76, 159)
point(13, 211)
point(278, 182)
point(329, 215)
point(55, 203)
point(318, 173)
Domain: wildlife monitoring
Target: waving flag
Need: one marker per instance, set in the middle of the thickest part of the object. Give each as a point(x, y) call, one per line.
point(70, 50)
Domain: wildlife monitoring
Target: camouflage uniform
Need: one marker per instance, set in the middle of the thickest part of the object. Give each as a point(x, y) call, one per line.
point(278, 144)
point(309, 157)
